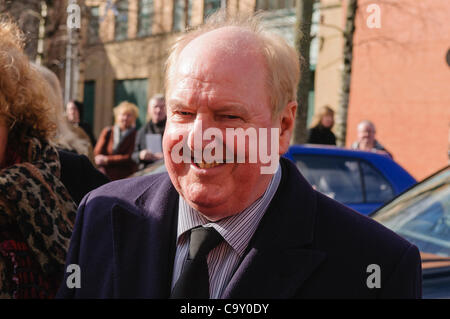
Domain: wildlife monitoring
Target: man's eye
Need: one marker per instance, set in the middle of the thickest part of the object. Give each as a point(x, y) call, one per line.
point(185, 113)
point(231, 117)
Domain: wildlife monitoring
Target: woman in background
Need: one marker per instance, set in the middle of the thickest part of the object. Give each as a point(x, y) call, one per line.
point(321, 133)
point(67, 137)
point(74, 113)
point(73, 145)
point(36, 210)
point(116, 144)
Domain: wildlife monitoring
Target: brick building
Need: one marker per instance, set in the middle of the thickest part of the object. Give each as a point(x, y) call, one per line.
point(400, 77)
point(399, 81)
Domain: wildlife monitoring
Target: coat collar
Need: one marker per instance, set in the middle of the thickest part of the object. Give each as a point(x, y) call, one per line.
point(279, 258)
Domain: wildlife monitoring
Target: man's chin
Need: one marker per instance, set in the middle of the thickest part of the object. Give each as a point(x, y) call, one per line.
point(212, 209)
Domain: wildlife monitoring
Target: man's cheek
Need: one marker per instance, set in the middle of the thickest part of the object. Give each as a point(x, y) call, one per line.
point(175, 146)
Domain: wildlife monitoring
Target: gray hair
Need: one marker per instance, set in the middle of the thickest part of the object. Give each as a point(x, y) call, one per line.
point(158, 97)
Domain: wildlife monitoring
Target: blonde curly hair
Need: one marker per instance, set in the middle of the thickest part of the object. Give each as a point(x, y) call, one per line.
point(24, 105)
point(125, 106)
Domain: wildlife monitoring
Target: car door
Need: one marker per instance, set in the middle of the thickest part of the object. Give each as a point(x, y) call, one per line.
point(351, 181)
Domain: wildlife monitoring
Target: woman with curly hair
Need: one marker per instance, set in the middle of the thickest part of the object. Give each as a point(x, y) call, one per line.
point(36, 210)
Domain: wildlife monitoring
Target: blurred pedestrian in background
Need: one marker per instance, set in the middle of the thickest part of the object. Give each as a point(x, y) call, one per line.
point(74, 113)
point(67, 137)
point(366, 139)
point(74, 147)
point(321, 133)
point(36, 210)
point(116, 144)
point(148, 146)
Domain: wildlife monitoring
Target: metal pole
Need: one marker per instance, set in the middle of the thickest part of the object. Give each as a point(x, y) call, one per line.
point(75, 65)
point(68, 75)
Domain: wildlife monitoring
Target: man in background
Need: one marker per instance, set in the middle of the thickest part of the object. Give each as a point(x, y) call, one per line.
point(366, 139)
point(145, 154)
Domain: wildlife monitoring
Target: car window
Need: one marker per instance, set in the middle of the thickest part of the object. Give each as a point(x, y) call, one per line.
point(377, 188)
point(422, 215)
point(336, 177)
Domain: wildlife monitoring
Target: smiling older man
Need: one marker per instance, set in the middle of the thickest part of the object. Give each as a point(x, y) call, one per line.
point(218, 225)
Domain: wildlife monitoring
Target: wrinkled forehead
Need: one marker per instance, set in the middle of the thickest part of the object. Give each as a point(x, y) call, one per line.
point(221, 54)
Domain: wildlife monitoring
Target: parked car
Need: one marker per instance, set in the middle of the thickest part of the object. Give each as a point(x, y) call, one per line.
point(422, 216)
point(361, 180)
point(153, 168)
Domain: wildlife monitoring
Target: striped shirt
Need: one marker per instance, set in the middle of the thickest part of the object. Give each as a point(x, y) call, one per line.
point(237, 230)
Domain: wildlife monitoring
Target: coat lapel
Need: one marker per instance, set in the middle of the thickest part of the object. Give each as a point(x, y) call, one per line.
point(273, 274)
point(280, 257)
point(144, 243)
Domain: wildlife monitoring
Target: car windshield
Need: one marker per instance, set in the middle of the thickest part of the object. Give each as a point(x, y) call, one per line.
point(422, 215)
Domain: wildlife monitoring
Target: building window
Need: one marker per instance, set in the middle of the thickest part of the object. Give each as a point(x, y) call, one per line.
point(121, 20)
point(210, 6)
point(145, 17)
point(182, 11)
point(274, 4)
point(94, 25)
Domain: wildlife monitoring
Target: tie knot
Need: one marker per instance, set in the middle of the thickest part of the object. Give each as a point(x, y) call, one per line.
point(203, 240)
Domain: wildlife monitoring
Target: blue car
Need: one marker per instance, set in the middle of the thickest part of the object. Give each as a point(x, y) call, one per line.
point(361, 180)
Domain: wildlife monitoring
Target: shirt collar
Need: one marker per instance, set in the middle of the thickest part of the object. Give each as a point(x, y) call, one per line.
point(237, 230)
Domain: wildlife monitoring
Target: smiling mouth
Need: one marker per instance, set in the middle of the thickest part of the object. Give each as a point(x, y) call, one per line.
point(204, 165)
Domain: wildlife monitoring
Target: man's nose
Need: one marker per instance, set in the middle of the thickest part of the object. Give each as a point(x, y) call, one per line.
point(195, 137)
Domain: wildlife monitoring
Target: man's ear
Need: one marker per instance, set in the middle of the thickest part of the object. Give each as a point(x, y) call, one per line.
point(287, 121)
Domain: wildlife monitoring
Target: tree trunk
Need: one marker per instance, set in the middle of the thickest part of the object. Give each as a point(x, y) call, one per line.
point(341, 118)
point(304, 10)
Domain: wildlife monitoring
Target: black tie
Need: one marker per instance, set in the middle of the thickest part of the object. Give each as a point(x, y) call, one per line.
point(194, 279)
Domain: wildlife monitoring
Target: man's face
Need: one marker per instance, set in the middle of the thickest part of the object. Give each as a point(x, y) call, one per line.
point(366, 134)
point(157, 110)
point(212, 87)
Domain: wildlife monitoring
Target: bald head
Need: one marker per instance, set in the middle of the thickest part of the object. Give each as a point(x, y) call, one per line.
point(233, 40)
point(225, 38)
point(366, 125)
point(231, 48)
point(366, 133)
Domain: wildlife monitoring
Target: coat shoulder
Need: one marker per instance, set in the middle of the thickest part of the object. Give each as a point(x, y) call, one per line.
point(125, 192)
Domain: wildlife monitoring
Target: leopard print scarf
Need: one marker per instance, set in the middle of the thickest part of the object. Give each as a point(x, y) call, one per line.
point(36, 220)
